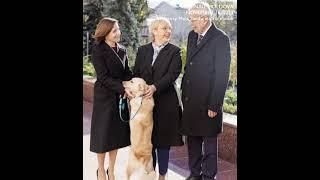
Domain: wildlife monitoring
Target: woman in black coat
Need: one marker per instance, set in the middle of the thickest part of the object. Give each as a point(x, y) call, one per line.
point(108, 132)
point(159, 64)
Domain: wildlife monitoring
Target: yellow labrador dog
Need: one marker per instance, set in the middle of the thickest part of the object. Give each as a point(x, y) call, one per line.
point(141, 123)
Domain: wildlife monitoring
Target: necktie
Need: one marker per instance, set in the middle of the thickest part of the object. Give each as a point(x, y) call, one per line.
point(200, 37)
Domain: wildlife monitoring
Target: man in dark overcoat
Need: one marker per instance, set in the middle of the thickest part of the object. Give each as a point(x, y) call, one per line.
point(203, 88)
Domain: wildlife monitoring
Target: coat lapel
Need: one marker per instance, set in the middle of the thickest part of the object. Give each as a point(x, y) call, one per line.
point(149, 57)
point(162, 53)
point(110, 54)
point(192, 45)
point(123, 56)
point(205, 39)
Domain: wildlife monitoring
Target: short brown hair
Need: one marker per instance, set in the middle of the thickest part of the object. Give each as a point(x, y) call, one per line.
point(104, 27)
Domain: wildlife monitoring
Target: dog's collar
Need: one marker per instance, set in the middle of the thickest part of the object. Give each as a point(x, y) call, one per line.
point(139, 96)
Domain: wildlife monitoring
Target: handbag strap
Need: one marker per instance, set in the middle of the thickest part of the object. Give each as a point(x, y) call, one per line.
point(123, 60)
point(120, 104)
point(122, 99)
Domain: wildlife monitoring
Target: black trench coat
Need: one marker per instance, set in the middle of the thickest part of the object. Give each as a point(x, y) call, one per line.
point(162, 74)
point(108, 132)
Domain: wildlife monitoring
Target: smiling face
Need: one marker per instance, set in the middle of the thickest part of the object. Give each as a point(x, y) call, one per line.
point(115, 33)
point(162, 32)
point(198, 23)
point(199, 17)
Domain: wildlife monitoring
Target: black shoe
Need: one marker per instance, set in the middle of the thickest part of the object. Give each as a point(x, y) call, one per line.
point(194, 178)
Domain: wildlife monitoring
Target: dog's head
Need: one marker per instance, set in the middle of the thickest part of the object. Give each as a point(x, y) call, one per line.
point(137, 86)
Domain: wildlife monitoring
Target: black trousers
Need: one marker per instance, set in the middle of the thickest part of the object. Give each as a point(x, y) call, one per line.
point(203, 156)
point(163, 159)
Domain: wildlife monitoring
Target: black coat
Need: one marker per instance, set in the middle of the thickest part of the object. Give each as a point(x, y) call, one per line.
point(162, 74)
point(204, 82)
point(108, 132)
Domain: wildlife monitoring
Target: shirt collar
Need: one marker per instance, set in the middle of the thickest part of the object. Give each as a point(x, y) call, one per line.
point(204, 33)
point(159, 47)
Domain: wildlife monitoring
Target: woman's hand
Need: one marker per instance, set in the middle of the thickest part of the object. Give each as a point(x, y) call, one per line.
point(150, 90)
point(128, 94)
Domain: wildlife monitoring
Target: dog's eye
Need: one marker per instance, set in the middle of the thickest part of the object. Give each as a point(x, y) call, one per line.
point(131, 81)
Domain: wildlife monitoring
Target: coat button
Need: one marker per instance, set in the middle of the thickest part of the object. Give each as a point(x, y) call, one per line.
point(190, 63)
point(188, 81)
point(186, 98)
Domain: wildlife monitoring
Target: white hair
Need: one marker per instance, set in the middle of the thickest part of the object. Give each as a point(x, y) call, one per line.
point(156, 22)
point(201, 9)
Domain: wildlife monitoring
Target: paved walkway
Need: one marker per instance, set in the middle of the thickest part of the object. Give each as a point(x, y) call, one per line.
point(178, 166)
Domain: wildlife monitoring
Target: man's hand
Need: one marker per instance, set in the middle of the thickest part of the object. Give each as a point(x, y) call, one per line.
point(211, 114)
point(149, 93)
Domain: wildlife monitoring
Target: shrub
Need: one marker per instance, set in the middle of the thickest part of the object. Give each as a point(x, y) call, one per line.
point(230, 102)
point(228, 108)
point(183, 57)
point(231, 97)
point(88, 67)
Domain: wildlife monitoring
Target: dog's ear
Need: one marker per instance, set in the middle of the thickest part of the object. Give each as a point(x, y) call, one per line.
point(145, 87)
point(141, 87)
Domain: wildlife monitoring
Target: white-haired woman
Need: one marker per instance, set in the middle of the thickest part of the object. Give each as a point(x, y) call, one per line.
point(159, 64)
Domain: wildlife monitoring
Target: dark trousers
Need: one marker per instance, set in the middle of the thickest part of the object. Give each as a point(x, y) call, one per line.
point(163, 159)
point(203, 156)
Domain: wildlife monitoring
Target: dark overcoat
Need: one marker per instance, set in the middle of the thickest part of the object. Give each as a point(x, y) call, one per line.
point(162, 74)
point(204, 82)
point(108, 132)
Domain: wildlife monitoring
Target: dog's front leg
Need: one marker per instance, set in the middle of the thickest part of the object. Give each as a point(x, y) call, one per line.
point(149, 166)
